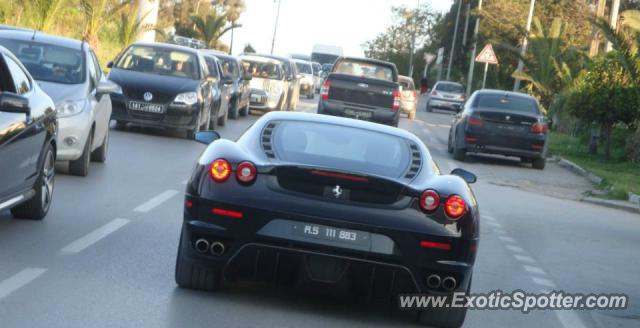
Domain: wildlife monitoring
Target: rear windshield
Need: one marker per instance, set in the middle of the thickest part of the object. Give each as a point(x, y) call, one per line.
point(304, 68)
point(265, 70)
point(343, 148)
point(229, 67)
point(450, 87)
point(407, 84)
point(159, 61)
point(518, 104)
point(364, 69)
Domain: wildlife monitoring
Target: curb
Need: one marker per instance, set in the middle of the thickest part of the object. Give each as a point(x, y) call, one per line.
point(617, 204)
point(580, 171)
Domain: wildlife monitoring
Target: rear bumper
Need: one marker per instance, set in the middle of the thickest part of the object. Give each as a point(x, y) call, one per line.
point(73, 133)
point(534, 146)
point(175, 116)
point(379, 115)
point(446, 104)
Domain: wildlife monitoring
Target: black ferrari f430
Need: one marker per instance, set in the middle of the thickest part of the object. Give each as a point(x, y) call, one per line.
point(330, 201)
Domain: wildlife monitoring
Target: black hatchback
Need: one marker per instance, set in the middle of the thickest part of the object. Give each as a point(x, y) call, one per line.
point(500, 122)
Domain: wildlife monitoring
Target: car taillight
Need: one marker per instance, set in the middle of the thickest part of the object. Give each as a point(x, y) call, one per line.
point(455, 207)
point(461, 97)
point(220, 170)
point(396, 100)
point(538, 128)
point(475, 121)
point(324, 91)
point(414, 95)
point(429, 200)
point(246, 172)
point(434, 93)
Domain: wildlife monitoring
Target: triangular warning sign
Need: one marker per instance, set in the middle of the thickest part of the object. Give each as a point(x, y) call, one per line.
point(487, 55)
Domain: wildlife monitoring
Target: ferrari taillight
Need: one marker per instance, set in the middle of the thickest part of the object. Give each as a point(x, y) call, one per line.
point(396, 100)
point(455, 207)
point(220, 170)
point(429, 201)
point(246, 172)
point(324, 91)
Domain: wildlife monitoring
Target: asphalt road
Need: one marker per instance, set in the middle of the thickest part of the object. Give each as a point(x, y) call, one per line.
point(105, 255)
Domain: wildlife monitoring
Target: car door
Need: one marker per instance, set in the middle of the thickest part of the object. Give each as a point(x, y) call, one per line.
point(20, 138)
point(100, 103)
point(226, 90)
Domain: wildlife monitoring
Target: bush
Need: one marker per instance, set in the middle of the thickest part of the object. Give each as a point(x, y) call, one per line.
point(632, 147)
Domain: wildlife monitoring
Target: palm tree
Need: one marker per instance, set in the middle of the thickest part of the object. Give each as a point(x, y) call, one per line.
point(233, 9)
point(96, 13)
point(129, 25)
point(47, 12)
point(211, 28)
point(626, 40)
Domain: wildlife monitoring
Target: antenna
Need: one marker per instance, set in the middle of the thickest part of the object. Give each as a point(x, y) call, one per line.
point(33, 37)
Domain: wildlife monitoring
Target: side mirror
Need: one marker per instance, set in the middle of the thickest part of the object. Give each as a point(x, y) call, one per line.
point(247, 77)
point(206, 137)
point(464, 174)
point(13, 103)
point(106, 87)
point(110, 64)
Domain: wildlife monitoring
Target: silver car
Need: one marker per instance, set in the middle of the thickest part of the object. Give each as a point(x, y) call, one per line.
point(68, 71)
point(446, 95)
point(268, 82)
point(307, 85)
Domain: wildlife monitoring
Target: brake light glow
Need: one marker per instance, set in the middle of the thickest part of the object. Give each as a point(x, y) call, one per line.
point(324, 91)
point(436, 245)
point(538, 128)
point(396, 100)
point(188, 204)
point(475, 121)
point(231, 214)
point(340, 176)
point(220, 170)
point(534, 146)
point(470, 139)
point(246, 172)
point(455, 207)
point(429, 200)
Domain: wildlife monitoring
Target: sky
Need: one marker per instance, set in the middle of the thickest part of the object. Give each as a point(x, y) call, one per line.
point(303, 23)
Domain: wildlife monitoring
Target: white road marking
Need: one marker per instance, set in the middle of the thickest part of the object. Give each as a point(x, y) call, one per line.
point(543, 282)
point(534, 270)
point(93, 237)
point(524, 258)
point(19, 280)
point(507, 239)
point(155, 201)
point(515, 248)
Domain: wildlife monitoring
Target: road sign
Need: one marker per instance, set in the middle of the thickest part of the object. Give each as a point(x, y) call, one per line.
point(428, 58)
point(487, 55)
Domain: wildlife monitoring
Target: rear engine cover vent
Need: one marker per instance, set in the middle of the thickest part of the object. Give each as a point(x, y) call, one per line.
point(416, 162)
point(265, 140)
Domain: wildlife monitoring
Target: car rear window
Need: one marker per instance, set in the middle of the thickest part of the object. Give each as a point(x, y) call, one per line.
point(450, 87)
point(407, 84)
point(304, 68)
point(364, 69)
point(341, 147)
point(156, 60)
point(504, 102)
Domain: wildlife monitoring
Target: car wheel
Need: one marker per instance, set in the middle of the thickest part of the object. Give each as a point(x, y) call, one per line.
point(444, 317)
point(37, 207)
point(222, 120)
point(245, 110)
point(80, 166)
point(429, 108)
point(189, 275)
point(459, 154)
point(538, 163)
point(310, 95)
point(450, 142)
point(233, 109)
point(191, 133)
point(100, 155)
point(121, 125)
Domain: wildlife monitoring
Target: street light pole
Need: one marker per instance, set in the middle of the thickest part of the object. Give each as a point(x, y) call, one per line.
point(613, 20)
point(275, 27)
point(453, 43)
point(473, 52)
point(523, 51)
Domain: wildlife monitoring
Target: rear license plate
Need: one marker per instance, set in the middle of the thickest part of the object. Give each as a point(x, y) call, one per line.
point(316, 231)
point(358, 114)
point(146, 107)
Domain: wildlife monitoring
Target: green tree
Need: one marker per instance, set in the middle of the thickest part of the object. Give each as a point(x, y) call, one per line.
point(211, 28)
point(97, 13)
point(248, 49)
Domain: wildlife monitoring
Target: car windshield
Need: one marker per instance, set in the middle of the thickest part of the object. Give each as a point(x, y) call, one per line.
point(265, 70)
point(161, 61)
point(504, 102)
point(304, 68)
point(229, 67)
point(450, 87)
point(341, 147)
point(364, 69)
point(48, 62)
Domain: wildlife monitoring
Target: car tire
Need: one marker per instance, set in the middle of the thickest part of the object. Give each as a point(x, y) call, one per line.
point(189, 275)
point(450, 142)
point(100, 154)
point(38, 206)
point(538, 163)
point(245, 110)
point(80, 166)
point(444, 317)
point(222, 120)
point(121, 125)
point(310, 95)
point(191, 133)
point(429, 108)
point(459, 154)
point(233, 110)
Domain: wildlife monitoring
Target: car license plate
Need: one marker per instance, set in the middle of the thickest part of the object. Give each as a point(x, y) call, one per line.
point(146, 107)
point(448, 96)
point(358, 114)
point(317, 231)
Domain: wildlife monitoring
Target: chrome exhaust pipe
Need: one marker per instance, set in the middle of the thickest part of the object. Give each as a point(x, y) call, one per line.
point(449, 283)
point(217, 248)
point(201, 245)
point(433, 281)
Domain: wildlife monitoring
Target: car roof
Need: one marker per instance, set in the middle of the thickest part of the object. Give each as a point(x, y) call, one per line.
point(369, 60)
point(217, 53)
point(503, 92)
point(168, 46)
point(302, 61)
point(26, 35)
point(449, 82)
point(261, 58)
point(405, 78)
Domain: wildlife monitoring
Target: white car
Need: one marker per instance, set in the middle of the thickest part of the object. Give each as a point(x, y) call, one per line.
point(268, 83)
point(68, 71)
point(307, 83)
point(317, 75)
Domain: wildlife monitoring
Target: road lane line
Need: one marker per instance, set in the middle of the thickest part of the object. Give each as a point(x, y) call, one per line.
point(543, 282)
point(534, 270)
point(507, 239)
point(494, 224)
point(515, 248)
point(93, 237)
point(19, 280)
point(524, 258)
point(155, 201)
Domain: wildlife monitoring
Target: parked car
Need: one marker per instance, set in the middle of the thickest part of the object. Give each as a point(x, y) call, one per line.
point(408, 97)
point(307, 86)
point(500, 122)
point(221, 91)
point(28, 131)
point(446, 95)
point(163, 85)
point(292, 81)
point(240, 89)
point(317, 76)
point(362, 88)
point(69, 71)
point(345, 204)
point(268, 83)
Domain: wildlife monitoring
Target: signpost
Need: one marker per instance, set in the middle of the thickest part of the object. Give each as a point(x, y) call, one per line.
point(487, 56)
